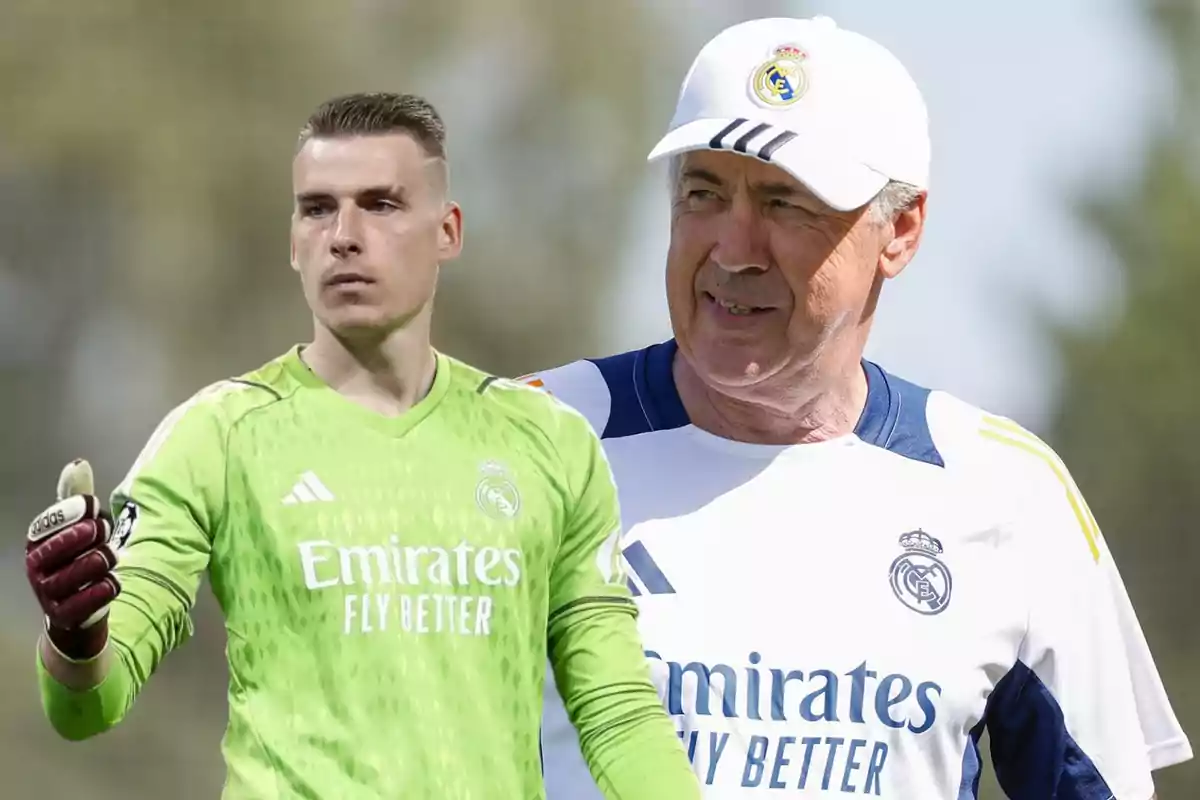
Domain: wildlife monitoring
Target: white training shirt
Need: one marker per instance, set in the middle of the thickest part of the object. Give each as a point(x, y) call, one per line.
point(845, 618)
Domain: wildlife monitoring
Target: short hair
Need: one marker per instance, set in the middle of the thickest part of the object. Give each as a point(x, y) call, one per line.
point(893, 198)
point(378, 114)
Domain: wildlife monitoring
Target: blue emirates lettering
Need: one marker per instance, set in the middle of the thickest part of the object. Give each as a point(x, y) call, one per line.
point(795, 700)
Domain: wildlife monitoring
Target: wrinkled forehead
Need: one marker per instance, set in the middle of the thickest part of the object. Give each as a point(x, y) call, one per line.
point(733, 171)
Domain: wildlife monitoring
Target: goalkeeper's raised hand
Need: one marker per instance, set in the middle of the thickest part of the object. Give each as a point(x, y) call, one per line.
point(69, 559)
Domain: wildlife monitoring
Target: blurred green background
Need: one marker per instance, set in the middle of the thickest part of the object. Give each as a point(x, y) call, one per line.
point(144, 184)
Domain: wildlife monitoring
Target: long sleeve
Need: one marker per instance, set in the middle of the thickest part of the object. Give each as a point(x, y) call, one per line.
point(628, 741)
point(166, 510)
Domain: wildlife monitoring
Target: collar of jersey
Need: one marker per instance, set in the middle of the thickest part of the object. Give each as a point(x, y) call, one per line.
point(664, 409)
point(313, 389)
point(769, 452)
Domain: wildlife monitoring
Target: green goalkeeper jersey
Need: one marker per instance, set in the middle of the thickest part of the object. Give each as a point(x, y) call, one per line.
point(391, 587)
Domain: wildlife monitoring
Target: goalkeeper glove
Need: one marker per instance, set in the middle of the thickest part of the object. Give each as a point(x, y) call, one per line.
point(69, 560)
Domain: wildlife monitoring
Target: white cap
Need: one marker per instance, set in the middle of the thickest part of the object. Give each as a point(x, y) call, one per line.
point(832, 107)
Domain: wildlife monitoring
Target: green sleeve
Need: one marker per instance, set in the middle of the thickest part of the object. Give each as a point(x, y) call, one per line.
point(626, 737)
point(166, 510)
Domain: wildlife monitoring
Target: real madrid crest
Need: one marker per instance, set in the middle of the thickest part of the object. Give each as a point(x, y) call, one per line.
point(780, 80)
point(919, 579)
point(496, 494)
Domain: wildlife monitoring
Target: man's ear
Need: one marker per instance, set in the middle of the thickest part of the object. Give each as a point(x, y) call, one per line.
point(906, 231)
point(450, 233)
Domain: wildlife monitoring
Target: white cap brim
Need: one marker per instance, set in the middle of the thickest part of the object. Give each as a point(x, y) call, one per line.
point(840, 182)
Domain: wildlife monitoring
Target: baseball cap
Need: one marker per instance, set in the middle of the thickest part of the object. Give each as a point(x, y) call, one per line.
point(832, 107)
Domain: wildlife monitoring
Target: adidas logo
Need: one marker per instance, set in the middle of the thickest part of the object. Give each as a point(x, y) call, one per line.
point(645, 577)
point(308, 489)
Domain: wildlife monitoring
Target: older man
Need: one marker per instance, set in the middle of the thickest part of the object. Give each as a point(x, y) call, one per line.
point(843, 578)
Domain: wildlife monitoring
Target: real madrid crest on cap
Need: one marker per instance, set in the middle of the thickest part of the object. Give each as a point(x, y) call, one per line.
point(919, 579)
point(780, 80)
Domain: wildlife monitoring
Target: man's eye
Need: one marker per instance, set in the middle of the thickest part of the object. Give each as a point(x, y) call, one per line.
point(701, 194)
point(793, 211)
point(312, 210)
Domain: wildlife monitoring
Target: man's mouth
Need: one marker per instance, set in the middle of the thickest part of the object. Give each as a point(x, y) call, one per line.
point(348, 279)
point(735, 308)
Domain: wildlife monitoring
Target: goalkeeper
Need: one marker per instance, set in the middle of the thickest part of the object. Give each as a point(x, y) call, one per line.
point(397, 541)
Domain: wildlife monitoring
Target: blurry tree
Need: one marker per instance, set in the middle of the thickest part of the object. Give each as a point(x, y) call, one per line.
point(1126, 420)
point(1127, 424)
point(144, 178)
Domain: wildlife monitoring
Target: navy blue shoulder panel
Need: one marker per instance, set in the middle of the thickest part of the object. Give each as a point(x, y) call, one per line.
point(895, 417)
point(644, 399)
point(642, 388)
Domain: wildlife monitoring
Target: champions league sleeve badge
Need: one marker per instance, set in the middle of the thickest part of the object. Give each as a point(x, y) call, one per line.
point(125, 523)
point(918, 578)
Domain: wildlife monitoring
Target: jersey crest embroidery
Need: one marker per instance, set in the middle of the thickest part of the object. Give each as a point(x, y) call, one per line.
point(496, 494)
point(919, 579)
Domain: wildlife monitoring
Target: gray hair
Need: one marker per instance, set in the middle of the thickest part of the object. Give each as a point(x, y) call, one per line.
point(894, 197)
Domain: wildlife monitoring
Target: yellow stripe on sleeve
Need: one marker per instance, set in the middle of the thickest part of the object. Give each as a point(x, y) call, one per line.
point(1009, 433)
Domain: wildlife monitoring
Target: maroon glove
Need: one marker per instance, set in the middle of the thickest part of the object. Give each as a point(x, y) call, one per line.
point(69, 559)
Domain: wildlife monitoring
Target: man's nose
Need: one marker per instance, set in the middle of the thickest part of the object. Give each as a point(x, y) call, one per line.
point(741, 240)
point(347, 236)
